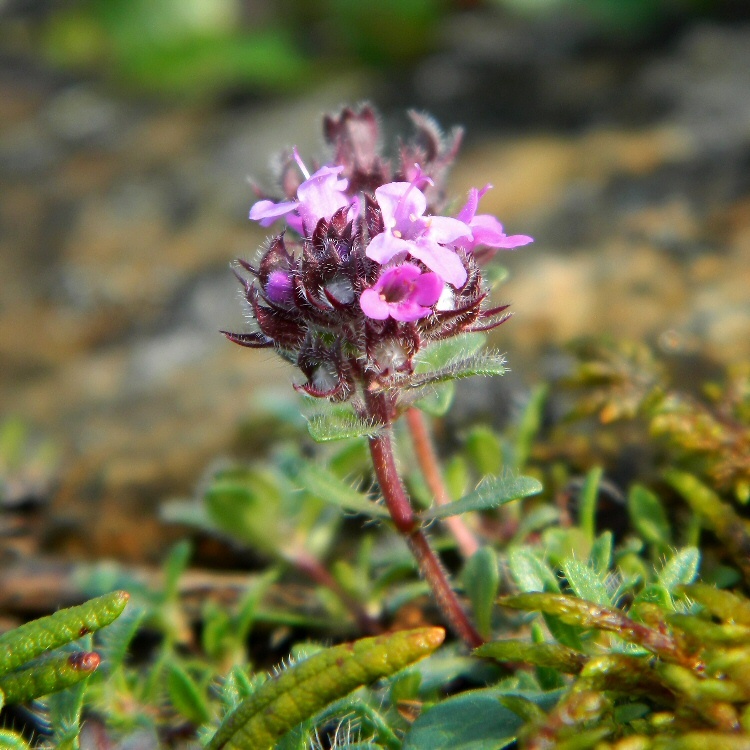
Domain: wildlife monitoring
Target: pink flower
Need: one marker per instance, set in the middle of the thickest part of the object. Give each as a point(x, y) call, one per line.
point(409, 232)
point(318, 197)
point(402, 293)
point(486, 230)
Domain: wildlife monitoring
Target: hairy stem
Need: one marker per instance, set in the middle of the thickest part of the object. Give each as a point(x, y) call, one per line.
point(428, 463)
point(399, 506)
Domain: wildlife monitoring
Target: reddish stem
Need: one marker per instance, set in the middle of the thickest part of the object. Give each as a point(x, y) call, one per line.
point(407, 523)
point(428, 463)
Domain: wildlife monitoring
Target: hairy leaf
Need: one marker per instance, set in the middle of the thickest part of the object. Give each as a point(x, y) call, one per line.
point(680, 569)
point(441, 353)
point(327, 486)
point(479, 364)
point(574, 611)
point(586, 582)
point(305, 688)
point(65, 708)
point(338, 425)
point(491, 493)
point(731, 529)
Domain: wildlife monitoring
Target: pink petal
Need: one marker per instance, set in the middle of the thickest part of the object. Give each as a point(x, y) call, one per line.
point(372, 305)
point(517, 240)
point(385, 246)
point(487, 230)
point(445, 230)
point(266, 212)
point(466, 214)
point(408, 311)
point(322, 195)
point(399, 201)
point(428, 288)
point(442, 260)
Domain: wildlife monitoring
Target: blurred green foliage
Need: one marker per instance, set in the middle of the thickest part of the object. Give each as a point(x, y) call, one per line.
point(194, 48)
point(199, 49)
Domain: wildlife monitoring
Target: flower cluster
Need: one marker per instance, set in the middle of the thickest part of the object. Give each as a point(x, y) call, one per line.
point(367, 271)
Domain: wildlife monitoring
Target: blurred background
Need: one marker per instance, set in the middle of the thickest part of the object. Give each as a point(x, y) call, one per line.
point(616, 133)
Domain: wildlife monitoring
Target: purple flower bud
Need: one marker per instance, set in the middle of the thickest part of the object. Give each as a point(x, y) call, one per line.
point(402, 293)
point(280, 288)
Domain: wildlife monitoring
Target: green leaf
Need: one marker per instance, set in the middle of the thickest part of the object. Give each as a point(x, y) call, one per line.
point(324, 484)
point(533, 574)
point(549, 655)
point(587, 502)
point(305, 688)
point(12, 741)
point(485, 450)
point(473, 720)
point(438, 401)
point(586, 582)
point(65, 709)
point(175, 565)
point(480, 364)
point(721, 517)
point(114, 640)
point(441, 353)
point(186, 696)
point(600, 557)
point(481, 579)
point(529, 572)
point(339, 425)
point(39, 636)
point(47, 676)
point(529, 425)
point(245, 505)
point(648, 516)
point(680, 569)
point(491, 493)
point(723, 604)
point(237, 686)
point(494, 274)
point(573, 611)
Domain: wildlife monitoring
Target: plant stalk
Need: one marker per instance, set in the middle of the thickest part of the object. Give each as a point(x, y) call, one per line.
point(424, 449)
point(408, 525)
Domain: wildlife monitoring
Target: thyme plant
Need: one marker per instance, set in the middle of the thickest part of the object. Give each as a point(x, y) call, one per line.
point(368, 278)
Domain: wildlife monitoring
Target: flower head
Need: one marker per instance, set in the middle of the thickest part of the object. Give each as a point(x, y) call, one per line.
point(409, 232)
point(402, 293)
point(373, 271)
